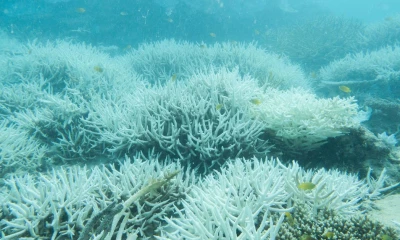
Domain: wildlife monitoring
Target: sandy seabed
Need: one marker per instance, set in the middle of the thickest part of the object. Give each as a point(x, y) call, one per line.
point(388, 210)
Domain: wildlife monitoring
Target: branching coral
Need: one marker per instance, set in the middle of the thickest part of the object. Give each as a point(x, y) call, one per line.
point(204, 120)
point(386, 32)
point(317, 41)
point(159, 61)
point(364, 68)
point(66, 202)
point(19, 151)
point(301, 120)
point(249, 199)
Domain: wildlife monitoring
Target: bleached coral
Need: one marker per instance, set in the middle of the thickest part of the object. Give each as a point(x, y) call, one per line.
point(159, 61)
point(249, 198)
point(317, 41)
point(364, 68)
point(64, 65)
point(301, 120)
point(382, 33)
point(61, 203)
point(47, 89)
point(204, 119)
point(389, 140)
point(236, 203)
point(19, 151)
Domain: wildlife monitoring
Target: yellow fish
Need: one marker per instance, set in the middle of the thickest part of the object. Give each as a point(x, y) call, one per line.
point(128, 47)
point(289, 218)
point(80, 10)
point(255, 101)
point(313, 74)
point(213, 35)
point(98, 69)
point(219, 106)
point(306, 186)
point(386, 237)
point(256, 32)
point(345, 89)
point(270, 75)
point(306, 237)
point(173, 77)
point(328, 235)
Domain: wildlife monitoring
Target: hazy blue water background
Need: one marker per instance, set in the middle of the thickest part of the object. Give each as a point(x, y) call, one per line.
point(123, 23)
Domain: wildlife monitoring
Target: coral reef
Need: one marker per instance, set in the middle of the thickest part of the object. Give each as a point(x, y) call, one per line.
point(250, 198)
point(386, 32)
point(315, 42)
point(19, 151)
point(204, 120)
point(95, 107)
point(303, 122)
point(355, 227)
point(159, 61)
point(385, 115)
point(191, 106)
point(247, 199)
point(62, 203)
point(374, 73)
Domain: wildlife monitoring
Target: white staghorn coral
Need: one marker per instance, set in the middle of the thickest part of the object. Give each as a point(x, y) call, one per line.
point(47, 89)
point(18, 150)
point(61, 203)
point(248, 199)
point(64, 65)
point(364, 68)
point(303, 121)
point(159, 61)
point(333, 189)
point(236, 203)
point(204, 120)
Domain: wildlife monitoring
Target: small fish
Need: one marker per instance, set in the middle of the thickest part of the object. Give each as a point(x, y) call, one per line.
point(255, 101)
point(203, 46)
point(219, 106)
point(123, 13)
point(128, 47)
point(213, 35)
point(289, 218)
point(233, 43)
point(270, 75)
point(313, 74)
point(173, 77)
point(256, 32)
point(345, 89)
point(98, 69)
point(80, 10)
point(328, 235)
point(306, 186)
point(386, 237)
point(170, 20)
point(306, 237)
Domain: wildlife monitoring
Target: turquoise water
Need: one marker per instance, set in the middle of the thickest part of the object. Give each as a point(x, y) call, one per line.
point(131, 22)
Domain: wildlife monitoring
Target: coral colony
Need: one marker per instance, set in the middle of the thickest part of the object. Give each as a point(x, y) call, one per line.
point(178, 140)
